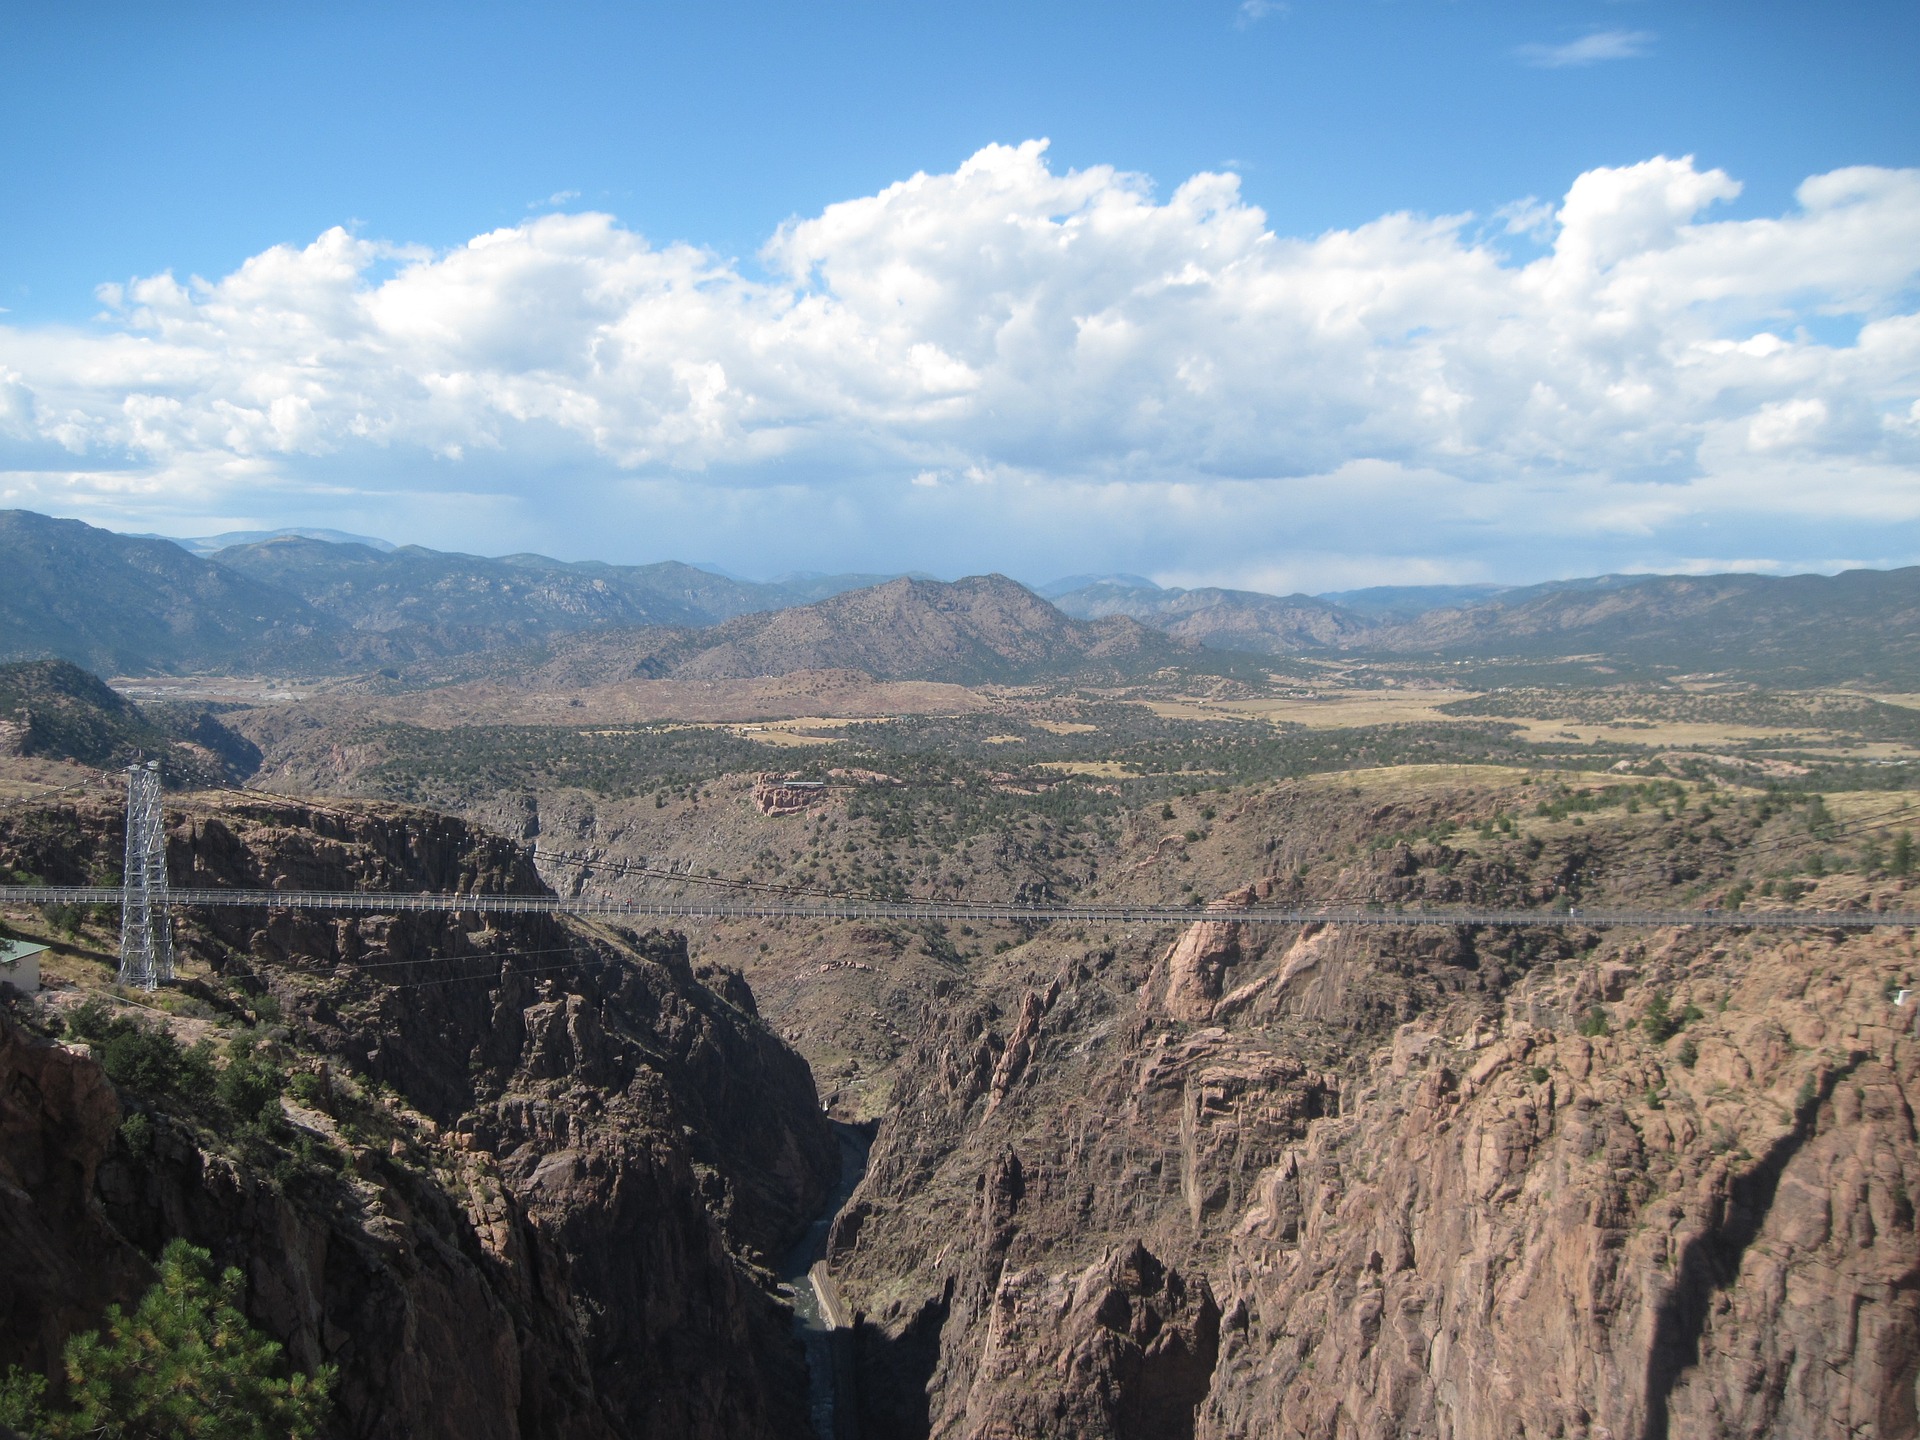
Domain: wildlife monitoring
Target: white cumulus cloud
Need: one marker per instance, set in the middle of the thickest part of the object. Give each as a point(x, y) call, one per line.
point(1589, 49)
point(1119, 380)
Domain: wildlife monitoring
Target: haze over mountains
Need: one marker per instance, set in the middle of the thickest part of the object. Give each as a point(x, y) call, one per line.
point(294, 604)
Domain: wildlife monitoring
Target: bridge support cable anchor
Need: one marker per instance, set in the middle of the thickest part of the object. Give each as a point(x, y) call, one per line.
point(146, 922)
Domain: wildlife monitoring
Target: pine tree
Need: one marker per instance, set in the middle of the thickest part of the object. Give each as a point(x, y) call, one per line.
point(185, 1365)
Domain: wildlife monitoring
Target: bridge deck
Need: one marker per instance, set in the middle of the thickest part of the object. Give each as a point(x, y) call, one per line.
point(393, 902)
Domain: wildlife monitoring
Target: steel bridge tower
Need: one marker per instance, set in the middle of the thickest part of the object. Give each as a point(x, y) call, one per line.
point(146, 926)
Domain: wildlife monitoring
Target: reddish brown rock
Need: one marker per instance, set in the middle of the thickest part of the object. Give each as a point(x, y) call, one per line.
point(1122, 1350)
point(1427, 1206)
point(1196, 967)
point(1020, 1044)
point(784, 795)
point(1541, 1234)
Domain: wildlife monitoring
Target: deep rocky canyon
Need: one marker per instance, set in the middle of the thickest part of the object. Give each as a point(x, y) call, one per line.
point(1232, 1181)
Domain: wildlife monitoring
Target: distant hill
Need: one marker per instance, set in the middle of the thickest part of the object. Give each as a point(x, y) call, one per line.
point(981, 629)
point(1798, 629)
point(1221, 619)
point(55, 710)
point(1863, 625)
point(117, 604)
point(803, 587)
point(206, 546)
point(1067, 584)
point(447, 603)
point(1400, 603)
point(1404, 602)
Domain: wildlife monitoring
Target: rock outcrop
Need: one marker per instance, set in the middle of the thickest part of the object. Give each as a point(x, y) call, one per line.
point(1197, 966)
point(1098, 1155)
point(783, 795)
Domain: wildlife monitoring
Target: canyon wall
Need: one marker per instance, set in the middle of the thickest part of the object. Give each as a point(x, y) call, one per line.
point(550, 1210)
point(1225, 1180)
point(1454, 1183)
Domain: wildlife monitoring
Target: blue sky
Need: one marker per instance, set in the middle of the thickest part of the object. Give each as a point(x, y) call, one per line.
point(192, 140)
point(185, 136)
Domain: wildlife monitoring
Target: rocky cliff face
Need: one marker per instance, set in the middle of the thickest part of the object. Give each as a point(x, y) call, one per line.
point(547, 1208)
point(1330, 1183)
point(1221, 1181)
point(1521, 1230)
point(65, 1262)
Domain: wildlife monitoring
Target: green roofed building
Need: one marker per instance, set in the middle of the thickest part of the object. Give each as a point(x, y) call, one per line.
point(20, 966)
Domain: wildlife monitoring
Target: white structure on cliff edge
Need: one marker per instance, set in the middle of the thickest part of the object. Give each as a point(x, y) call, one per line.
point(20, 966)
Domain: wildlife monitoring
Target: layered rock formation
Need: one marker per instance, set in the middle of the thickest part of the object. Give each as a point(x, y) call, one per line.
point(1025, 1242)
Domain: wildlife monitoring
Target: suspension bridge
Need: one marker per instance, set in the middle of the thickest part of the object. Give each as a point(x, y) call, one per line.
point(146, 901)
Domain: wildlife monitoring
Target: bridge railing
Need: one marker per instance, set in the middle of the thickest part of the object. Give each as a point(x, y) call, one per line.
point(398, 902)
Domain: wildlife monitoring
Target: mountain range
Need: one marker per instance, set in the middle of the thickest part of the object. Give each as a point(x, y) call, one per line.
point(205, 545)
point(1861, 625)
point(296, 604)
point(1812, 629)
point(125, 604)
point(1223, 619)
point(985, 628)
point(457, 602)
